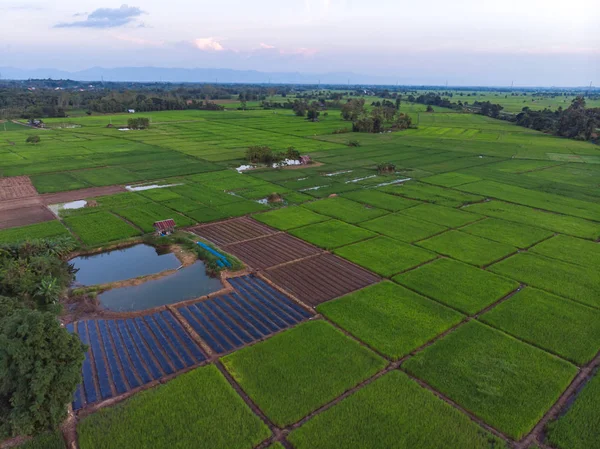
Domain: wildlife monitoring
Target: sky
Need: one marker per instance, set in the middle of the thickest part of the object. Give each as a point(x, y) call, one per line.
point(461, 42)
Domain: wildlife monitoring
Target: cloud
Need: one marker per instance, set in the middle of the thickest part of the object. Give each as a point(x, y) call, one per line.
point(105, 18)
point(266, 46)
point(208, 44)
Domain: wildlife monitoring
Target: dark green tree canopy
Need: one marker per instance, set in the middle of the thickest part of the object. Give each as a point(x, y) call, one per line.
point(40, 367)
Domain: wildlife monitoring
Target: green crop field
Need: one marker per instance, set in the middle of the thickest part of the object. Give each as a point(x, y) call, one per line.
point(515, 234)
point(375, 418)
point(485, 234)
point(47, 229)
point(385, 256)
point(380, 199)
point(564, 224)
point(402, 227)
point(344, 209)
point(563, 327)
point(457, 285)
point(572, 250)
point(468, 248)
point(290, 217)
point(579, 428)
point(507, 383)
point(390, 318)
point(561, 278)
point(332, 234)
point(200, 407)
point(444, 216)
point(100, 227)
point(301, 369)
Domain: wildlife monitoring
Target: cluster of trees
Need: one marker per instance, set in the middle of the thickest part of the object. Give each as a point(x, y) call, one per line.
point(575, 122)
point(432, 99)
point(311, 111)
point(488, 108)
point(138, 123)
point(384, 115)
point(40, 362)
point(263, 154)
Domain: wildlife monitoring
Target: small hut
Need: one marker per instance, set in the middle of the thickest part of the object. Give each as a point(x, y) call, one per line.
point(164, 227)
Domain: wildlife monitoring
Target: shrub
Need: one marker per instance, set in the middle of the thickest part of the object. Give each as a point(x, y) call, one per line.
point(292, 153)
point(353, 143)
point(403, 121)
point(138, 123)
point(386, 167)
point(33, 139)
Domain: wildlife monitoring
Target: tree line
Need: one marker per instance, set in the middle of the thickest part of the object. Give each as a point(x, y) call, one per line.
point(575, 122)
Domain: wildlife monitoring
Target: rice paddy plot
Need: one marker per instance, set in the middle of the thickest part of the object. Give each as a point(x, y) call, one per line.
point(579, 427)
point(450, 179)
point(458, 285)
point(390, 318)
point(290, 217)
point(200, 407)
point(345, 210)
point(441, 215)
point(511, 233)
point(570, 249)
point(403, 228)
point(392, 412)
point(432, 194)
point(332, 234)
point(507, 383)
point(146, 215)
point(561, 278)
point(550, 322)
point(381, 200)
point(537, 199)
point(98, 228)
point(468, 248)
point(296, 372)
point(57, 182)
point(574, 226)
point(44, 230)
point(385, 256)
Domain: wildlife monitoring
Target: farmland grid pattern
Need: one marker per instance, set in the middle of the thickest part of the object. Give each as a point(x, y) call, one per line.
point(535, 163)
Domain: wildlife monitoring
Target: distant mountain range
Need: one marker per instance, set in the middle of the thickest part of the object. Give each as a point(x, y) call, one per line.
point(198, 75)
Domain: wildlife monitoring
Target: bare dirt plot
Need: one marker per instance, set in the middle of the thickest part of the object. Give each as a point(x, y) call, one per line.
point(272, 250)
point(9, 218)
point(320, 278)
point(19, 203)
point(81, 194)
point(233, 231)
point(16, 187)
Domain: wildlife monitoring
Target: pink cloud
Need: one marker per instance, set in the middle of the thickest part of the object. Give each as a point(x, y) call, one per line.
point(266, 46)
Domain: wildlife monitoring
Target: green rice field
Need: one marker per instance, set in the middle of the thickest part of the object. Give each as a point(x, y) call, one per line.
point(483, 244)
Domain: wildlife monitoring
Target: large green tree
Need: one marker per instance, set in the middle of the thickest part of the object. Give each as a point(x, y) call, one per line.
point(40, 367)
